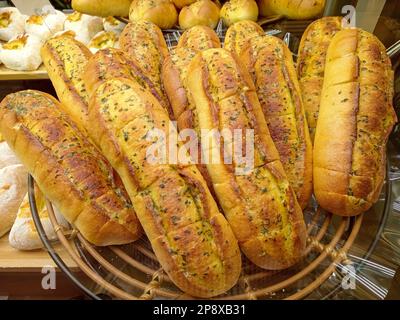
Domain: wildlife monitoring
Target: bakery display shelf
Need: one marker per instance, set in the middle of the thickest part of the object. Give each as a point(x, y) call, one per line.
point(8, 74)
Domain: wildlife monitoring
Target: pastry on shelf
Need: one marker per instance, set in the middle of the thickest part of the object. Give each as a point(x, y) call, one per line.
point(23, 234)
point(202, 12)
point(45, 25)
point(84, 26)
point(13, 187)
point(103, 40)
point(111, 24)
point(22, 53)
point(292, 9)
point(11, 23)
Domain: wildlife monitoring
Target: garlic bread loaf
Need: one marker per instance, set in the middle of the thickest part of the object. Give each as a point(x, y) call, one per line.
point(199, 38)
point(239, 33)
point(311, 64)
point(190, 237)
point(143, 42)
point(113, 63)
point(69, 170)
point(65, 59)
point(259, 204)
point(271, 67)
point(355, 119)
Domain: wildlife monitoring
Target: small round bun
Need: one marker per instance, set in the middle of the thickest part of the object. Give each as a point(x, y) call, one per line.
point(161, 12)
point(238, 10)
point(202, 12)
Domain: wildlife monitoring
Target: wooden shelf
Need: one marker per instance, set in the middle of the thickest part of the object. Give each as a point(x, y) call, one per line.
point(7, 74)
point(12, 260)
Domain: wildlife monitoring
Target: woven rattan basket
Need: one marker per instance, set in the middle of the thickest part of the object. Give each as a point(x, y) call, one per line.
point(133, 272)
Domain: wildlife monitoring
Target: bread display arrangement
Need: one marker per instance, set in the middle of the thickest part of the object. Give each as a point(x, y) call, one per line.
point(88, 149)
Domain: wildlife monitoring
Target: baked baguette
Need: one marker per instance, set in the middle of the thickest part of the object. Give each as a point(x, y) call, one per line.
point(65, 59)
point(292, 9)
point(355, 119)
point(260, 205)
point(190, 237)
point(113, 63)
point(103, 8)
point(174, 73)
point(199, 38)
point(311, 64)
point(271, 67)
point(70, 171)
point(239, 33)
point(144, 42)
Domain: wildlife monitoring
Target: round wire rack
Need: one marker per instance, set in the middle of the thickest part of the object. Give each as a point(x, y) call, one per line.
point(133, 272)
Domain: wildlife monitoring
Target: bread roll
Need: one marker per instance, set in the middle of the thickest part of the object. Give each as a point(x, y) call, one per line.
point(7, 157)
point(84, 26)
point(45, 25)
point(11, 23)
point(355, 119)
point(13, 187)
point(103, 8)
point(190, 237)
point(113, 63)
point(144, 43)
point(23, 234)
point(239, 33)
point(292, 9)
point(270, 64)
point(103, 40)
point(238, 10)
point(111, 24)
point(22, 53)
point(70, 171)
point(199, 38)
point(202, 12)
point(311, 64)
point(161, 12)
point(65, 59)
point(259, 204)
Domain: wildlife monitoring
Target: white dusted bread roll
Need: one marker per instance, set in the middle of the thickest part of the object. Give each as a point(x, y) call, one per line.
point(45, 25)
point(13, 187)
point(103, 40)
point(7, 157)
point(111, 24)
point(23, 234)
point(84, 26)
point(22, 53)
point(11, 23)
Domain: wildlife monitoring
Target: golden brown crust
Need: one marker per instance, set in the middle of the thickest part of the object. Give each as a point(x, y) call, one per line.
point(113, 63)
point(356, 105)
point(260, 206)
point(102, 8)
point(311, 64)
point(270, 64)
point(161, 12)
point(71, 172)
point(144, 43)
point(189, 236)
point(239, 10)
point(201, 12)
point(239, 33)
point(199, 38)
point(292, 9)
point(65, 60)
